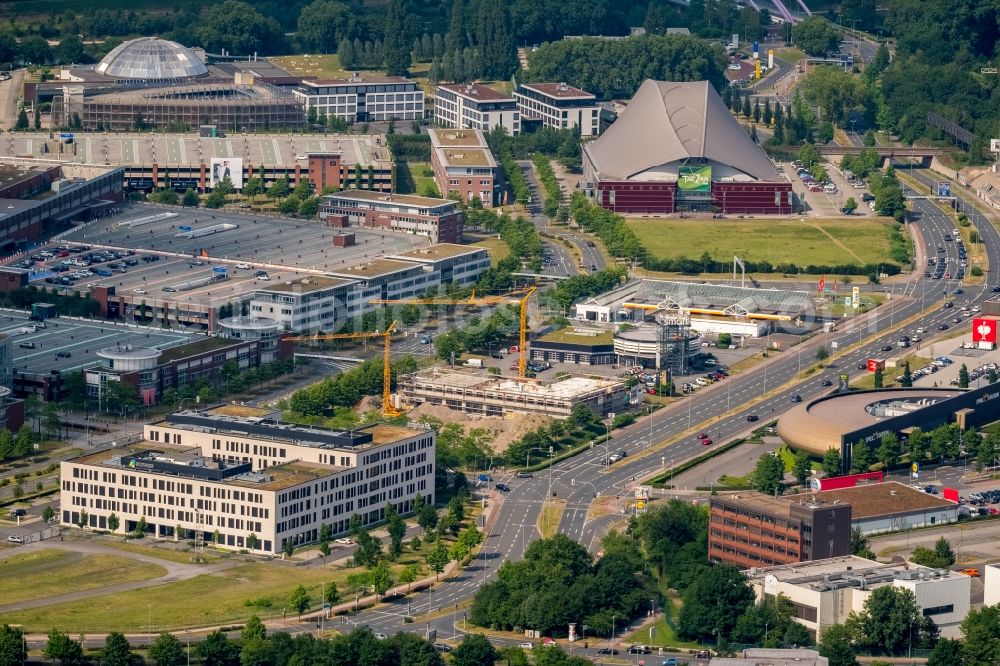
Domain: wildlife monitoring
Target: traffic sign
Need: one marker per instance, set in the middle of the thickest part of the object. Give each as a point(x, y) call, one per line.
point(915, 467)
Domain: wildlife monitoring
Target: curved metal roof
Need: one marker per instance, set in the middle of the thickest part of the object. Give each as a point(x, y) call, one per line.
point(151, 59)
point(671, 121)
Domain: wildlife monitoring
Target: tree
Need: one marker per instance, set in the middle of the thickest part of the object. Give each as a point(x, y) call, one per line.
point(801, 468)
point(861, 457)
point(888, 450)
point(836, 645)
point(21, 123)
point(190, 198)
point(981, 631)
point(768, 475)
point(299, 600)
point(254, 628)
point(850, 205)
point(879, 378)
point(239, 28)
point(166, 650)
point(288, 548)
point(381, 578)
point(252, 542)
point(963, 377)
point(831, 462)
point(397, 52)
point(331, 594)
point(906, 380)
point(48, 514)
point(396, 527)
point(816, 36)
point(13, 649)
point(60, 647)
point(279, 188)
point(408, 575)
point(218, 650)
point(474, 650)
point(83, 520)
point(947, 652)
point(437, 558)
point(322, 25)
point(140, 528)
point(890, 619)
point(860, 544)
point(496, 42)
point(939, 557)
point(113, 522)
point(822, 354)
point(116, 651)
point(713, 603)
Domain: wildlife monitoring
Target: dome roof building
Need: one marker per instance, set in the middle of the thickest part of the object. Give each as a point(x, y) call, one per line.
point(151, 59)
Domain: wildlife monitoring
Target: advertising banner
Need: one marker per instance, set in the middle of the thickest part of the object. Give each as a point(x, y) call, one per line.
point(943, 188)
point(226, 166)
point(694, 179)
point(875, 364)
point(856, 296)
point(984, 330)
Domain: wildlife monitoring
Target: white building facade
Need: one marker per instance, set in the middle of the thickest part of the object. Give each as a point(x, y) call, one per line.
point(364, 100)
point(559, 106)
point(475, 106)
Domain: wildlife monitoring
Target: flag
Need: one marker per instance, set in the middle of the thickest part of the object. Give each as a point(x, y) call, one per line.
point(822, 283)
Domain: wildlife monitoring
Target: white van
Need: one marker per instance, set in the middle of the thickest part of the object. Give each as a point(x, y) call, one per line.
point(830, 188)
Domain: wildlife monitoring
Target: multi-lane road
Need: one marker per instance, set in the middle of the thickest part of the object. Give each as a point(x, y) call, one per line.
point(721, 411)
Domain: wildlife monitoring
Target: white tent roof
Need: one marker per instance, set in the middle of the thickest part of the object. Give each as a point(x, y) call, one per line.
point(672, 121)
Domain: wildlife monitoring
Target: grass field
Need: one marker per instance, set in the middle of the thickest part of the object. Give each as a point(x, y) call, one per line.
point(548, 520)
point(169, 554)
point(50, 572)
point(411, 177)
point(820, 241)
point(327, 66)
point(498, 249)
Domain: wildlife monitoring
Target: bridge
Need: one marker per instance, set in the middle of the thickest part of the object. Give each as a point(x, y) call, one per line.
point(890, 152)
point(783, 13)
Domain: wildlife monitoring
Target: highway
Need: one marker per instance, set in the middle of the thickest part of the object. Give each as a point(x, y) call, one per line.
point(720, 410)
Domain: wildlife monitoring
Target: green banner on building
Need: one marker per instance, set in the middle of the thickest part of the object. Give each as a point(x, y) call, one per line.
point(694, 179)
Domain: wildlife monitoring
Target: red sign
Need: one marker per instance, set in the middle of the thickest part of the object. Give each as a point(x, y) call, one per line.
point(846, 481)
point(822, 283)
point(950, 494)
point(984, 330)
point(875, 364)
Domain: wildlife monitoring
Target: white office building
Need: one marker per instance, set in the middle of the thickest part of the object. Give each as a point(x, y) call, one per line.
point(219, 476)
point(824, 592)
point(558, 105)
point(363, 100)
point(475, 106)
point(991, 584)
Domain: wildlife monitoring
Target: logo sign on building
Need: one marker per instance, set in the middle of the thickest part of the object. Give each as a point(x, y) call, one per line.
point(875, 364)
point(856, 296)
point(694, 179)
point(943, 188)
point(984, 330)
point(223, 167)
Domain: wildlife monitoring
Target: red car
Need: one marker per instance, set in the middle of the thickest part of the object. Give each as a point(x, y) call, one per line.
point(702, 435)
point(815, 188)
point(706, 442)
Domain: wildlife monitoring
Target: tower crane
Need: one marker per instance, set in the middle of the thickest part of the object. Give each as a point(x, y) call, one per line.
point(519, 296)
point(387, 407)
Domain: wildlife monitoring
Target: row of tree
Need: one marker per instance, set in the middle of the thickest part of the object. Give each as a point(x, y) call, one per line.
point(346, 388)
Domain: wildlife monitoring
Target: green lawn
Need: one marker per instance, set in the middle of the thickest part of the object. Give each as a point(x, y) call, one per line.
point(815, 241)
point(663, 634)
point(50, 572)
point(412, 177)
point(164, 553)
point(498, 249)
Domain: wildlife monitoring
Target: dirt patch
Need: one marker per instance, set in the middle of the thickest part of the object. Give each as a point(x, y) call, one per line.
point(506, 430)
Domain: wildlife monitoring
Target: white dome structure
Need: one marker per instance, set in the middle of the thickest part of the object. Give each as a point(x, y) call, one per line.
point(151, 59)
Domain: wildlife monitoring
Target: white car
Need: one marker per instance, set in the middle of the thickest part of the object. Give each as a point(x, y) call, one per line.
point(380, 636)
point(527, 646)
point(344, 540)
point(138, 291)
point(243, 266)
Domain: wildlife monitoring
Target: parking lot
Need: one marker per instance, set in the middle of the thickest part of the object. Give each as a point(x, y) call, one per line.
point(829, 201)
point(77, 340)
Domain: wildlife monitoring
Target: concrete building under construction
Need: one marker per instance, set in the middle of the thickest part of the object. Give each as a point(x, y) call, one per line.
point(476, 392)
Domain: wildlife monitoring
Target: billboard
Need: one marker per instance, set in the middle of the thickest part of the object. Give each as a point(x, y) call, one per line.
point(847, 481)
point(856, 296)
point(984, 330)
point(943, 188)
point(694, 179)
point(995, 145)
point(221, 167)
point(875, 364)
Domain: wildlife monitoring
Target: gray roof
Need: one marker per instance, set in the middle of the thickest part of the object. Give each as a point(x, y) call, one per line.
point(673, 121)
point(151, 59)
point(723, 297)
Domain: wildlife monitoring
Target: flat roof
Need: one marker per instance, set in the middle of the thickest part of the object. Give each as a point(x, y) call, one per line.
point(569, 387)
point(14, 173)
point(477, 91)
point(751, 499)
point(580, 335)
point(468, 157)
point(457, 137)
point(559, 90)
point(437, 252)
point(374, 268)
point(306, 284)
point(828, 572)
point(878, 499)
point(200, 345)
point(386, 433)
point(359, 81)
point(387, 197)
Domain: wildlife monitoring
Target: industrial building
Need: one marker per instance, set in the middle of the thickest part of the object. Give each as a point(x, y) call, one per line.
point(40, 198)
point(440, 220)
point(475, 106)
point(705, 308)
point(877, 508)
point(559, 106)
point(751, 529)
point(677, 148)
point(325, 302)
point(238, 479)
point(463, 165)
point(826, 591)
point(476, 392)
point(844, 420)
point(363, 100)
point(155, 160)
point(155, 83)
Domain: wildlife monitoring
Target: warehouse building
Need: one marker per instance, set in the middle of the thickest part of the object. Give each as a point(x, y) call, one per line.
point(826, 591)
point(241, 480)
point(475, 392)
point(677, 148)
point(877, 508)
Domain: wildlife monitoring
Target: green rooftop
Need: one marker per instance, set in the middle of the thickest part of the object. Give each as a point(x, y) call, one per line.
point(197, 347)
point(579, 336)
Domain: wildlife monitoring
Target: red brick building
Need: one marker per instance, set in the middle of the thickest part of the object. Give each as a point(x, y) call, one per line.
point(750, 529)
point(676, 148)
point(463, 163)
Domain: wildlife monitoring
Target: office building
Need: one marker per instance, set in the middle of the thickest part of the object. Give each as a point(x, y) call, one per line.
point(826, 591)
point(308, 304)
point(991, 584)
point(475, 106)
point(751, 529)
point(441, 220)
point(463, 164)
point(247, 481)
point(363, 100)
point(559, 106)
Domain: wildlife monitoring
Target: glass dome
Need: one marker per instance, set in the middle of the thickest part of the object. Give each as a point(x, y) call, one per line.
point(151, 59)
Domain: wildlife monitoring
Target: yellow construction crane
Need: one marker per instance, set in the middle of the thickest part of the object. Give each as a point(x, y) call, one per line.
point(520, 296)
point(386, 335)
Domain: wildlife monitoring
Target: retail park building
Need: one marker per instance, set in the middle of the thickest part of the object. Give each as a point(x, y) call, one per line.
point(223, 475)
